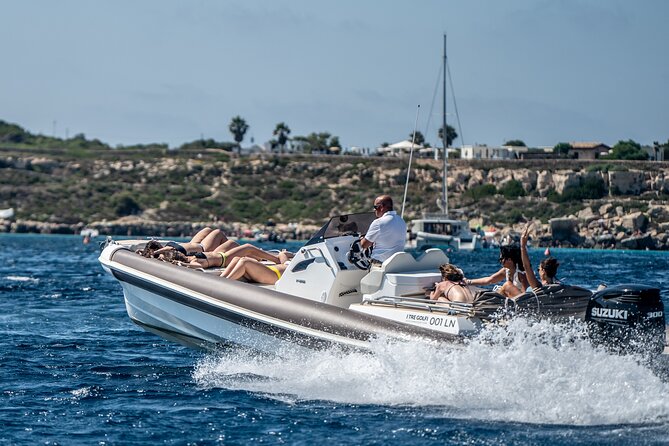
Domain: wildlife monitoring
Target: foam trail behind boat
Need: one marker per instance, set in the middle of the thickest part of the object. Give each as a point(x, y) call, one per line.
point(530, 372)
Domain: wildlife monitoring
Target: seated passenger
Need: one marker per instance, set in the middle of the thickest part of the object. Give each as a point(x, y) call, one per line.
point(512, 273)
point(255, 271)
point(152, 247)
point(222, 256)
point(452, 288)
point(547, 268)
point(206, 239)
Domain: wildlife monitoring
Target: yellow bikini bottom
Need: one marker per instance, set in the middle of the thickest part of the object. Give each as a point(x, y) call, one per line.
point(275, 269)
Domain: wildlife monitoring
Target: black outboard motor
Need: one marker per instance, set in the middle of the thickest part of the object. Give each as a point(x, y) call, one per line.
point(627, 318)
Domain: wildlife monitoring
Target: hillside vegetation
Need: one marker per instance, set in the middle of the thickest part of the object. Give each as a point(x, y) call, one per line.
point(59, 186)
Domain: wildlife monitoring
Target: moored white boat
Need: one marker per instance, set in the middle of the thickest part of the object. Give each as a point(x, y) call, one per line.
point(437, 230)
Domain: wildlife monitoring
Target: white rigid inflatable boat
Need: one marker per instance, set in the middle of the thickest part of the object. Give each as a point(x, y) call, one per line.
point(327, 297)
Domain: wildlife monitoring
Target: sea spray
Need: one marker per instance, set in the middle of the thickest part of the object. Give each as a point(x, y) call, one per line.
point(525, 371)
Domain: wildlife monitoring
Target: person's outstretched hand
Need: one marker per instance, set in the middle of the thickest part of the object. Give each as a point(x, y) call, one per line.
point(525, 235)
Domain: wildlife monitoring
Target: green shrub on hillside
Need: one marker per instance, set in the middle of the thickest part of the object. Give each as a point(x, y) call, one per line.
point(287, 185)
point(12, 133)
point(608, 167)
point(478, 192)
point(512, 189)
point(125, 205)
point(286, 210)
point(248, 210)
point(515, 216)
point(593, 187)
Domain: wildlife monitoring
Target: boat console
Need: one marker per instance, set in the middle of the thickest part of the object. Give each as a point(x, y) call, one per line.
point(323, 271)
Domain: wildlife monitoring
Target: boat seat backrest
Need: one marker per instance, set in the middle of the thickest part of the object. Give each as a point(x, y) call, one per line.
point(400, 261)
point(403, 262)
point(431, 260)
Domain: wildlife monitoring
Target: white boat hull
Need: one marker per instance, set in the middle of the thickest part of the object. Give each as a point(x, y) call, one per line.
point(194, 327)
point(445, 323)
point(201, 310)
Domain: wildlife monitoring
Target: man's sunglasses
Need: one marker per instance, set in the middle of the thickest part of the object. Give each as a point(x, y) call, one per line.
point(377, 207)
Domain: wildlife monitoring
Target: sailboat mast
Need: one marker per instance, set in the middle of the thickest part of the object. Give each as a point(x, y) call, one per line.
point(444, 140)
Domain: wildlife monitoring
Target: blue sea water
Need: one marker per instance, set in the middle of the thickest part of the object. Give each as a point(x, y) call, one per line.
point(76, 371)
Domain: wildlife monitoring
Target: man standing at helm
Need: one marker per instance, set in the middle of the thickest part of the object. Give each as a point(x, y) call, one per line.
point(387, 233)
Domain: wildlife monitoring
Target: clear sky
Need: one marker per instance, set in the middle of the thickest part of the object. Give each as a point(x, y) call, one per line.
point(172, 71)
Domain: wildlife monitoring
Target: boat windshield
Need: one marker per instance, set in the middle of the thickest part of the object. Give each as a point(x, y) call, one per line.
point(348, 224)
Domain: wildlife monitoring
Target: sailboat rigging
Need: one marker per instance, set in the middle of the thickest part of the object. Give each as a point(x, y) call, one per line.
point(438, 229)
point(444, 140)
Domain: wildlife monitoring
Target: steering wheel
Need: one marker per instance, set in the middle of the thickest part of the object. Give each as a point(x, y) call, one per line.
point(359, 256)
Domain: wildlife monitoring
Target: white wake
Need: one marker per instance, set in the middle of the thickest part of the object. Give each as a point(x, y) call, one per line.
point(525, 372)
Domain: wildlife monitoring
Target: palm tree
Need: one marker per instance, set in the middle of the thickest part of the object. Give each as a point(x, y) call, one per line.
point(451, 135)
point(238, 128)
point(281, 132)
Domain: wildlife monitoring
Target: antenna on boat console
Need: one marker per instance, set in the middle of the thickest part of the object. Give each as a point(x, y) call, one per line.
point(413, 142)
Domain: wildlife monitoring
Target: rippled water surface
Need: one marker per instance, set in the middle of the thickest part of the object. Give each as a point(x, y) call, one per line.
point(75, 370)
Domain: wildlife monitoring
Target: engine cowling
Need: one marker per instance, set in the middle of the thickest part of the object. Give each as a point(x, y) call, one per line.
point(627, 318)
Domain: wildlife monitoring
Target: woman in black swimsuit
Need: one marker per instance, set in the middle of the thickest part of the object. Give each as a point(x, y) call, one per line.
point(452, 288)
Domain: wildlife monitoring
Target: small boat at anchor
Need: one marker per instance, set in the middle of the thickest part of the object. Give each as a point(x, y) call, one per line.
point(328, 297)
point(437, 230)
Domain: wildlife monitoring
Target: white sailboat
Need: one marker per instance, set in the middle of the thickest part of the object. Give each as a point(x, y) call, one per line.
point(438, 229)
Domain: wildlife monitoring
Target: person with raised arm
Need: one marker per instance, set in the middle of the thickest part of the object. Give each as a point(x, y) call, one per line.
point(547, 268)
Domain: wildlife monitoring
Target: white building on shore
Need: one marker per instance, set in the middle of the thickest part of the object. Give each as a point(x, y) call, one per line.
point(484, 152)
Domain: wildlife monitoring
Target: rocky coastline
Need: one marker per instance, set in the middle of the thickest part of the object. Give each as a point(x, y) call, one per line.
point(139, 227)
point(149, 197)
point(606, 227)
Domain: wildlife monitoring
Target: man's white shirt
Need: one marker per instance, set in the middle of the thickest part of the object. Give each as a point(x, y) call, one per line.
point(388, 233)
